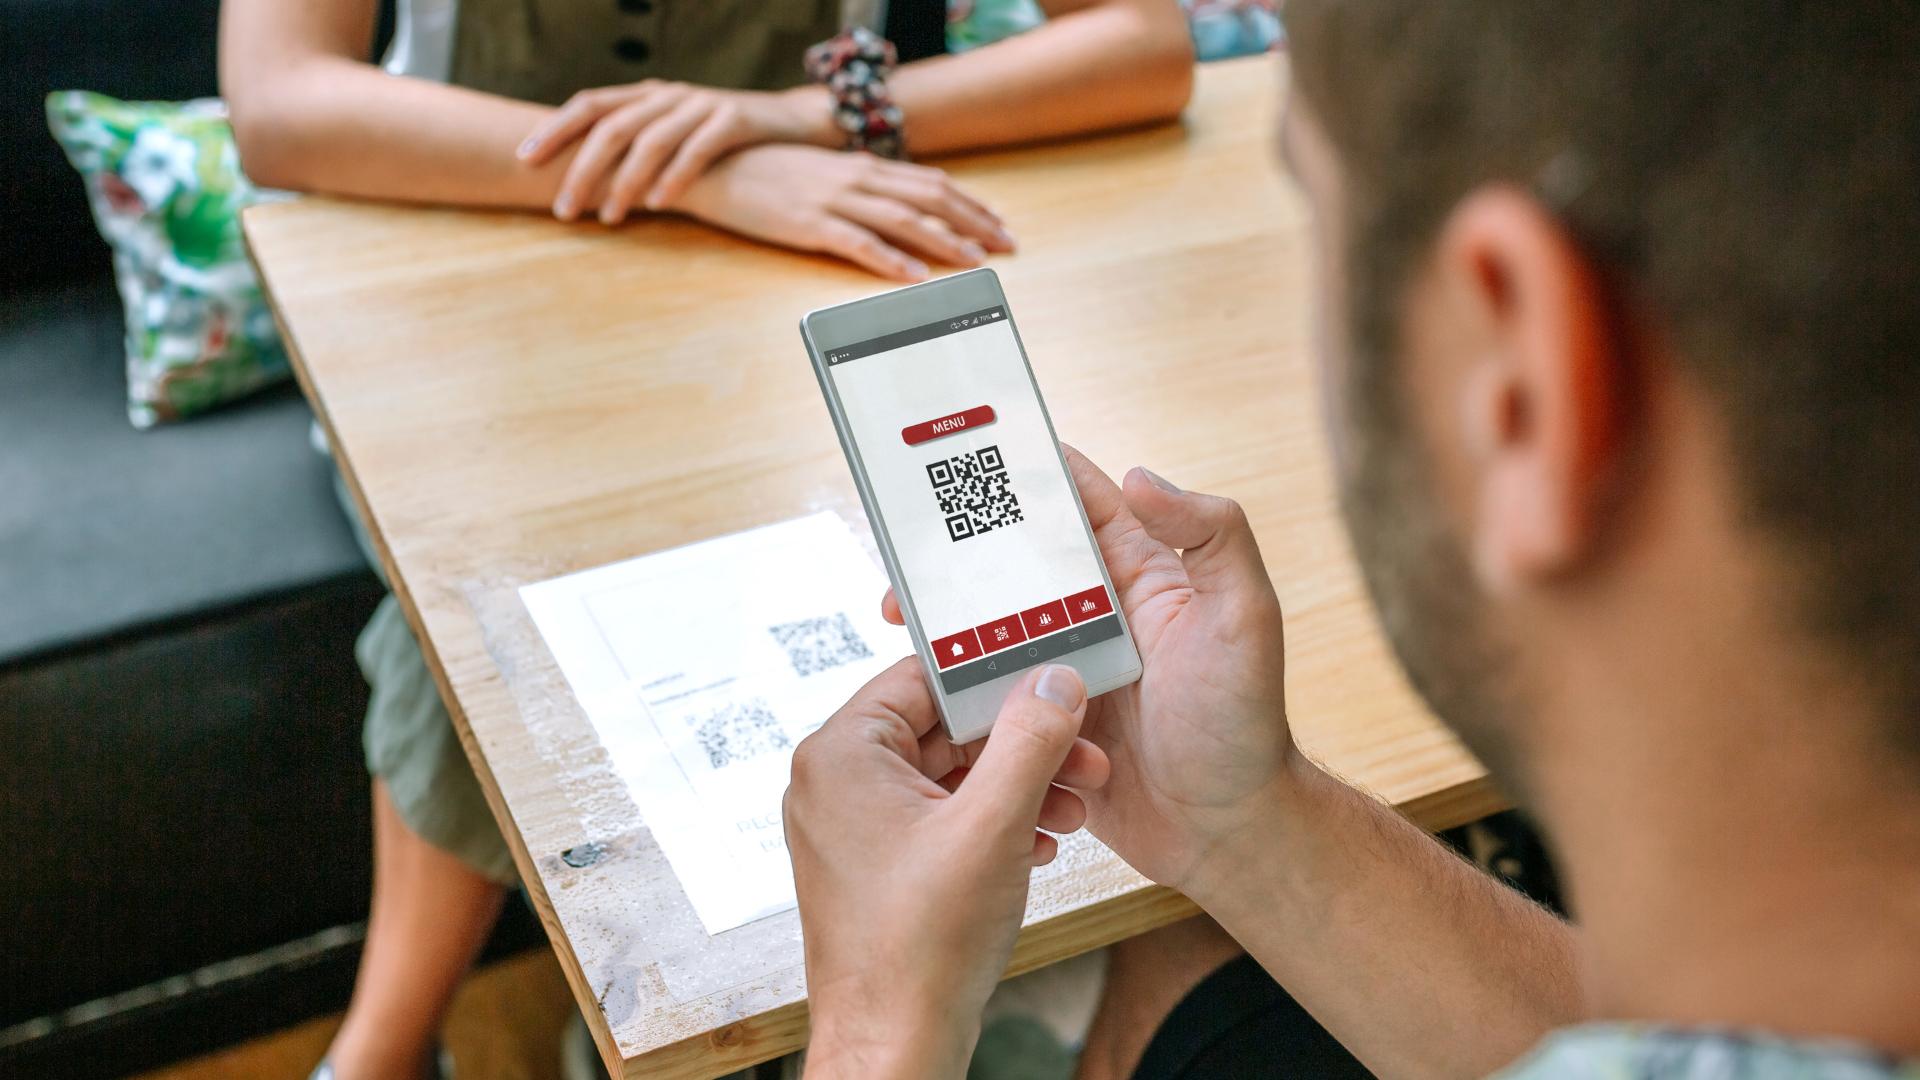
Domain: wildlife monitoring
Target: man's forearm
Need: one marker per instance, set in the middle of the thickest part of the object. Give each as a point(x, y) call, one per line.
point(1417, 961)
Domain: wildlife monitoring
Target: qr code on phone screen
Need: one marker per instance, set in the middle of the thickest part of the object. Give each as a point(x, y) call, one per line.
point(973, 493)
point(820, 644)
point(739, 730)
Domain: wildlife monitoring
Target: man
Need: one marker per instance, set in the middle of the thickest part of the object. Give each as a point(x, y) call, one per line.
point(1620, 362)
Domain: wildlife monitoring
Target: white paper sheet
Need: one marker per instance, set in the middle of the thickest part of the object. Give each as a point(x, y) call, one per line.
point(701, 668)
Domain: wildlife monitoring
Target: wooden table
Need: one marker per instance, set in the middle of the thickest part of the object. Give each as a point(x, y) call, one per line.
point(511, 399)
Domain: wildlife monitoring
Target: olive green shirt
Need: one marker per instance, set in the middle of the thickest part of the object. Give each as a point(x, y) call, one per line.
point(545, 50)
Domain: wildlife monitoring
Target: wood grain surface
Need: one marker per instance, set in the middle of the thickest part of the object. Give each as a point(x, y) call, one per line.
point(511, 399)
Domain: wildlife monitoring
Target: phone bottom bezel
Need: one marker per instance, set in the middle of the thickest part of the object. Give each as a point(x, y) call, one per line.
point(969, 714)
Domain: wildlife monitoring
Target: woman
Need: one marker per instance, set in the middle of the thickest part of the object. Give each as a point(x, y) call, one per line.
point(607, 109)
point(660, 98)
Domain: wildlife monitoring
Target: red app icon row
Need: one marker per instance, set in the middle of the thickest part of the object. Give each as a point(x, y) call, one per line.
point(1011, 630)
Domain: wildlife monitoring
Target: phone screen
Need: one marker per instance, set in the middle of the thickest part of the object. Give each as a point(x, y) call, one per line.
point(968, 483)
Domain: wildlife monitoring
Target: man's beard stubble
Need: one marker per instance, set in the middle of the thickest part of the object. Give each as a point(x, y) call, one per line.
point(1421, 581)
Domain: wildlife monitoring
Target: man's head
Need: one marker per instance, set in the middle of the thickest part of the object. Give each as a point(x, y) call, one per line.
point(1615, 289)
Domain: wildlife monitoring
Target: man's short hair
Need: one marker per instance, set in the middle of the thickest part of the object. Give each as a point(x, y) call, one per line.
point(1746, 173)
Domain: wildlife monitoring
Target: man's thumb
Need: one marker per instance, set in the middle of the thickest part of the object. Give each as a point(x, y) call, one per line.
point(1026, 747)
point(1211, 533)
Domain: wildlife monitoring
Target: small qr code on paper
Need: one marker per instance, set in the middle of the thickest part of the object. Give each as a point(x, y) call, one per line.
point(973, 492)
point(740, 730)
point(820, 644)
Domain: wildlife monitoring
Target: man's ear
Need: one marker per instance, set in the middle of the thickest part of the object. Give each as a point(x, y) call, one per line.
point(1544, 403)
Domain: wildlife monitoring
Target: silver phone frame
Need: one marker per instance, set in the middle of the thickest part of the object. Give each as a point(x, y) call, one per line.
point(968, 714)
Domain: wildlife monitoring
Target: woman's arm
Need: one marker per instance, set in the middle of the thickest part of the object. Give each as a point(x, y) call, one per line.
point(1094, 65)
point(310, 114)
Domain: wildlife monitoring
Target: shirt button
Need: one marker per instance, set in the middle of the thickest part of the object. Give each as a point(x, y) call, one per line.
point(637, 7)
point(632, 50)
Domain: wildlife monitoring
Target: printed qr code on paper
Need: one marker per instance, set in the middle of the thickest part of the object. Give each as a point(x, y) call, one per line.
point(974, 494)
point(739, 730)
point(820, 644)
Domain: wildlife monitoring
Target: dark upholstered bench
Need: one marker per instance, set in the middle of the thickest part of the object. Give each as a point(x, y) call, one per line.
point(184, 844)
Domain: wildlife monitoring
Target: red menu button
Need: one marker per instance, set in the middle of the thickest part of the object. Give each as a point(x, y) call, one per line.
point(950, 424)
point(1003, 634)
point(1044, 619)
point(958, 649)
point(1089, 605)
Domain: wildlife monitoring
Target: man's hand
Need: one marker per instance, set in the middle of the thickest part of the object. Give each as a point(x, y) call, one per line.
point(1314, 879)
point(911, 857)
point(645, 143)
point(886, 216)
point(1201, 740)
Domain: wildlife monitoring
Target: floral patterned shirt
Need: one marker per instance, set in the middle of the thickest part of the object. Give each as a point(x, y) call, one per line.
point(1637, 1052)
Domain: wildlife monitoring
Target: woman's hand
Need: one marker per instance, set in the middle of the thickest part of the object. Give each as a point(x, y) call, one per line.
point(887, 216)
point(646, 142)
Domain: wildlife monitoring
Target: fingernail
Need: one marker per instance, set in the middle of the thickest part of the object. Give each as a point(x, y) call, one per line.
point(563, 207)
point(1160, 482)
point(973, 251)
point(917, 269)
point(1005, 237)
point(1060, 685)
point(527, 148)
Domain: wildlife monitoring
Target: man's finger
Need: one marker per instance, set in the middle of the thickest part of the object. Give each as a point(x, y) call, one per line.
point(1027, 746)
point(901, 693)
point(1098, 493)
point(1087, 767)
point(1212, 534)
point(1141, 565)
point(941, 757)
point(1061, 811)
point(890, 609)
point(1045, 849)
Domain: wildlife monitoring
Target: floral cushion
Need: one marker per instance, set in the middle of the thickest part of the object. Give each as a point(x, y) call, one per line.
point(973, 23)
point(1221, 28)
point(1229, 28)
point(167, 191)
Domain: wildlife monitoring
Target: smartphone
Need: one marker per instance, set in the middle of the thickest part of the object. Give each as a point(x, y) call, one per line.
point(975, 514)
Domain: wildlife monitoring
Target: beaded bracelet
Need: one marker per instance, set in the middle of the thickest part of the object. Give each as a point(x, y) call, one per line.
point(853, 65)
